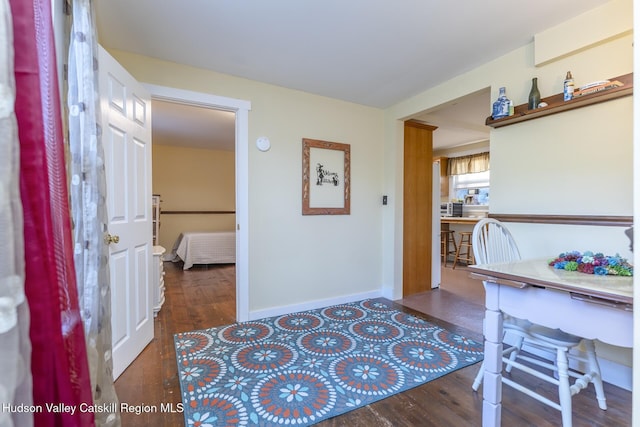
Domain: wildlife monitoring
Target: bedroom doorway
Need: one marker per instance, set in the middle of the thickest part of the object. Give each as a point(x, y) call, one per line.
point(187, 110)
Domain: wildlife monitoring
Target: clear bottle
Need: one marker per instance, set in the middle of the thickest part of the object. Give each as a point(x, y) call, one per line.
point(501, 105)
point(534, 95)
point(568, 87)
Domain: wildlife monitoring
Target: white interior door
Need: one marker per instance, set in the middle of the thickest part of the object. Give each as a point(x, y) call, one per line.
point(436, 247)
point(126, 136)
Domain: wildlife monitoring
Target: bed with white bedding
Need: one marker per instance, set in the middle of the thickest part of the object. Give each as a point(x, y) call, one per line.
point(205, 248)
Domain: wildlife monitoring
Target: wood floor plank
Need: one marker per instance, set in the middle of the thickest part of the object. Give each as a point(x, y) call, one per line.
point(204, 297)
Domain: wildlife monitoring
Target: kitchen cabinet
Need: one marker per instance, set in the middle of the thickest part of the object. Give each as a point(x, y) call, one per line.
point(444, 177)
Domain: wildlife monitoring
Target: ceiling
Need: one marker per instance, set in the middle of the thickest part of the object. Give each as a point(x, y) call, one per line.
point(370, 52)
point(461, 121)
point(190, 126)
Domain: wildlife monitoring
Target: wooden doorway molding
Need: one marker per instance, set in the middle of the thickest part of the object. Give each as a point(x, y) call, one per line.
point(417, 207)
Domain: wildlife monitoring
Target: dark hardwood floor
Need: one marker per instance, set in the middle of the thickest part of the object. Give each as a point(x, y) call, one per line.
point(205, 297)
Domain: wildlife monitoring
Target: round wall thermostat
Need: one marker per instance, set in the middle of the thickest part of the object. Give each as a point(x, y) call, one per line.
point(263, 143)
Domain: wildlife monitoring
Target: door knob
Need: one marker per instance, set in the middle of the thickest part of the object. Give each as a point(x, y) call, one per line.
point(108, 239)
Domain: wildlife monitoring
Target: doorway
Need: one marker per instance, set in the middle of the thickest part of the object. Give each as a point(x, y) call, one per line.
point(241, 110)
point(461, 129)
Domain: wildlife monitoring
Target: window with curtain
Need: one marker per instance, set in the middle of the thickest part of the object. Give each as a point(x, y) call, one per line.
point(472, 188)
point(471, 177)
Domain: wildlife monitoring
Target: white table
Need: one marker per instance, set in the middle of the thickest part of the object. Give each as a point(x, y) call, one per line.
point(590, 306)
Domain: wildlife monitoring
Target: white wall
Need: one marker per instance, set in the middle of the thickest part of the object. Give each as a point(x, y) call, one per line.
point(574, 163)
point(296, 261)
point(531, 160)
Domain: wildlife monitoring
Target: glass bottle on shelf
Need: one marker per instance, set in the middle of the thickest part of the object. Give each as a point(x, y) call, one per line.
point(534, 95)
point(568, 87)
point(501, 105)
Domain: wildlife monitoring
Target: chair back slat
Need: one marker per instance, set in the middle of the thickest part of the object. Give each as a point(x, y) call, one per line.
point(492, 243)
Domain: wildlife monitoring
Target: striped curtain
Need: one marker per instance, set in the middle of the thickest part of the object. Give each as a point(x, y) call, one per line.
point(59, 360)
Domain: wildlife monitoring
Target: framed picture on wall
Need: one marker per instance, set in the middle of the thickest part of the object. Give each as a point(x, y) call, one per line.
point(325, 178)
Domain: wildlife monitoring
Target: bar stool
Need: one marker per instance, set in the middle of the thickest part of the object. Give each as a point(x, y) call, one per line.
point(464, 251)
point(447, 237)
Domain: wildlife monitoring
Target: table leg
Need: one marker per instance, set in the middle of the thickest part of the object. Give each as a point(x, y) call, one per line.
point(492, 388)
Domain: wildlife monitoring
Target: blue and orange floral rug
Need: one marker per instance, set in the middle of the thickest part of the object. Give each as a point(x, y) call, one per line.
point(302, 368)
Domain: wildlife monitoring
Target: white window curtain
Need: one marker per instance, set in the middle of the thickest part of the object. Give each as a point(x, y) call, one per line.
point(88, 206)
point(15, 346)
point(473, 163)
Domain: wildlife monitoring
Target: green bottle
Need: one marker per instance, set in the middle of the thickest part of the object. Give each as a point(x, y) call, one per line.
point(534, 95)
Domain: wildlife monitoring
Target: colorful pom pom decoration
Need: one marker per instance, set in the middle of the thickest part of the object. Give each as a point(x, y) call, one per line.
point(590, 263)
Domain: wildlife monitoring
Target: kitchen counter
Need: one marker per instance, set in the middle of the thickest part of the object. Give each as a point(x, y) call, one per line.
point(460, 220)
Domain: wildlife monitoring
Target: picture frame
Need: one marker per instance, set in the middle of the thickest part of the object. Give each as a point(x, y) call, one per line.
point(326, 178)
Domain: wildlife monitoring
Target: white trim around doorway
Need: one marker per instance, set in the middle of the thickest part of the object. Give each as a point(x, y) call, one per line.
point(241, 108)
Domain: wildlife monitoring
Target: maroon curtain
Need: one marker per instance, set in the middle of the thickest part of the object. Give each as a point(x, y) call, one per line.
point(59, 360)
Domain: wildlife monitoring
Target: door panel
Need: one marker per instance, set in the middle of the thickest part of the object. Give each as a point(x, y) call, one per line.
point(126, 111)
point(118, 269)
point(114, 141)
point(140, 111)
point(141, 302)
point(141, 204)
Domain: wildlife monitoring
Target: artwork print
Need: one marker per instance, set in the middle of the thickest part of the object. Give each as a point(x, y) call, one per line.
point(325, 178)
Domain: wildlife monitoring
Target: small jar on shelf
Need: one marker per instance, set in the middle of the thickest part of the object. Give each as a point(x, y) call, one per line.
point(502, 107)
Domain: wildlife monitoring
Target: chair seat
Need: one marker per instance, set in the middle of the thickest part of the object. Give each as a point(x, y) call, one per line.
point(516, 324)
point(554, 337)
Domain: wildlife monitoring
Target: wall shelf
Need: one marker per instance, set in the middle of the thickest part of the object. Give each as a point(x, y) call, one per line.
point(557, 103)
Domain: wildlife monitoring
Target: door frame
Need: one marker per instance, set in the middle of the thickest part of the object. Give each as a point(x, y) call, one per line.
point(241, 108)
point(416, 228)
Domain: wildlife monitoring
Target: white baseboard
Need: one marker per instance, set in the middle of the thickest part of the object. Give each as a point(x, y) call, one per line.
point(312, 305)
point(616, 374)
point(388, 294)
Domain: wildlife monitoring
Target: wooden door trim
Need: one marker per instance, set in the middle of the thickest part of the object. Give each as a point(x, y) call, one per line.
point(417, 207)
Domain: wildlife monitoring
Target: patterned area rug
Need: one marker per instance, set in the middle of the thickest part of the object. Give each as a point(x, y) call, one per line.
point(302, 368)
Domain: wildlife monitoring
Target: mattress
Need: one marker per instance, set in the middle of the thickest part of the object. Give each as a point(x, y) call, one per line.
point(205, 248)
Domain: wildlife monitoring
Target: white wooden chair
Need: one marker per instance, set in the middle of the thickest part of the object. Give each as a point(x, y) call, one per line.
point(493, 243)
